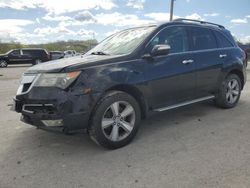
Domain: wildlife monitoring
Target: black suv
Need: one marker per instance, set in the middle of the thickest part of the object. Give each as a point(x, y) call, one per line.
point(23, 56)
point(131, 75)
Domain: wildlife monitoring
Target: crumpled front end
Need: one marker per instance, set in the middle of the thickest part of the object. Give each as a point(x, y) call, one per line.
point(53, 108)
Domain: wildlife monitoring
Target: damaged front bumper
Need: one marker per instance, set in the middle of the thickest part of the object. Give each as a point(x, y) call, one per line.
point(50, 117)
point(55, 109)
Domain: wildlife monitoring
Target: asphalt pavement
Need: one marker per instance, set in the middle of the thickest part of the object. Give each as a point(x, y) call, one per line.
point(195, 146)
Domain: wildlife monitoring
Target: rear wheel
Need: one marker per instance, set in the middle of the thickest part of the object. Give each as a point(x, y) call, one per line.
point(230, 92)
point(115, 120)
point(3, 63)
point(37, 61)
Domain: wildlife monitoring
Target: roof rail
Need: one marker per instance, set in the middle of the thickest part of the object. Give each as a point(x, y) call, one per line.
point(201, 22)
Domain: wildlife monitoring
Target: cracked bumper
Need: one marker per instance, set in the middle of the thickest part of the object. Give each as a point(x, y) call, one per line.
point(54, 110)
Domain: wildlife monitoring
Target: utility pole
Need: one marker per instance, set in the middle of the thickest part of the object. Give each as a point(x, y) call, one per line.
point(171, 10)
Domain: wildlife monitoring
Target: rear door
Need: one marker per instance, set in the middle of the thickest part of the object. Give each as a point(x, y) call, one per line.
point(171, 77)
point(207, 60)
point(26, 56)
point(226, 47)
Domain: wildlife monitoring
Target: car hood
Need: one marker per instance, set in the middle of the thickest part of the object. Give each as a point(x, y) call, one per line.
point(3, 55)
point(78, 62)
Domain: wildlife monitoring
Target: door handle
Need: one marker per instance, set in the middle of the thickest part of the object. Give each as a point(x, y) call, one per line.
point(223, 55)
point(187, 61)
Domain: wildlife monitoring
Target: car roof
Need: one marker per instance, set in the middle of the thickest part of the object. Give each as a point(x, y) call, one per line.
point(196, 23)
point(187, 22)
point(32, 49)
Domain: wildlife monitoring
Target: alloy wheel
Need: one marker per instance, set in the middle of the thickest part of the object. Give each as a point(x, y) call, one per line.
point(38, 61)
point(233, 91)
point(3, 64)
point(118, 121)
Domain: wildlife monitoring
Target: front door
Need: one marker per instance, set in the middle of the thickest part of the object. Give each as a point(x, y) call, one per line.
point(14, 56)
point(171, 77)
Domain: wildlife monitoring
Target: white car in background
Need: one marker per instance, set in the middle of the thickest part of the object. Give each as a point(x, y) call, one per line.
point(70, 53)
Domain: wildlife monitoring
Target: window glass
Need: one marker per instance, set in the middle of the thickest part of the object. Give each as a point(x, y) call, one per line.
point(15, 52)
point(203, 39)
point(26, 52)
point(36, 53)
point(175, 37)
point(223, 41)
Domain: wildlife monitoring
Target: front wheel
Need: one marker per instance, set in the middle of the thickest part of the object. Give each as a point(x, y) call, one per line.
point(3, 63)
point(115, 120)
point(230, 91)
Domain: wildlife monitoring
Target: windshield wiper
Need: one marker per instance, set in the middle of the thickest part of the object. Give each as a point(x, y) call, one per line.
point(99, 53)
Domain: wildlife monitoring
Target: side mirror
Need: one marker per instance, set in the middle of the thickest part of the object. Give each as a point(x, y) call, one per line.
point(161, 49)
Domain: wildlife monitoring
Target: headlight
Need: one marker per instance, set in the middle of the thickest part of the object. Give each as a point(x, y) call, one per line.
point(60, 80)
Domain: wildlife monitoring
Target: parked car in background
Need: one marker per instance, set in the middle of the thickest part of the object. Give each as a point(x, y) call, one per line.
point(70, 53)
point(130, 75)
point(56, 55)
point(23, 56)
point(246, 48)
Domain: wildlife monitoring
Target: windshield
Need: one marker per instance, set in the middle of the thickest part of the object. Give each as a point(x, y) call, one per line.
point(123, 42)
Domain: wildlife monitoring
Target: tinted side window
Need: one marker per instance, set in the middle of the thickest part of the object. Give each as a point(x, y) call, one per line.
point(36, 53)
point(223, 41)
point(26, 52)
point(203, 39)
point(43, 52)
point(175, 37)
point(31, 52)
point(15, 52)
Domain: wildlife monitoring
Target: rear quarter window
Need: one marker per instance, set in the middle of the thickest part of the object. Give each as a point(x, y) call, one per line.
point(203, 39)
point(223, 42)
point(38, 53)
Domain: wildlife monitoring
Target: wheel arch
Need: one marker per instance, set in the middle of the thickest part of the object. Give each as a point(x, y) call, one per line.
point(134, 92)
point(238, 73)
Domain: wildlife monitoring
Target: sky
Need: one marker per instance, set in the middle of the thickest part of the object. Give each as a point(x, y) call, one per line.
point(43, 21)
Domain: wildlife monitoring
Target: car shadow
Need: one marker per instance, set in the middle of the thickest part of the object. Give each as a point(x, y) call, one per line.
point(36, 140)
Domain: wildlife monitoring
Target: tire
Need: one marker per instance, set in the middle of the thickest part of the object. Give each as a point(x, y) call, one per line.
point(3, 63)
point(229, 92)
point(112, 128)
point(37, 61)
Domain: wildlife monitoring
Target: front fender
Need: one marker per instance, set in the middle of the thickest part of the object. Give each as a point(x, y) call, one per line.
point(101, 78)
